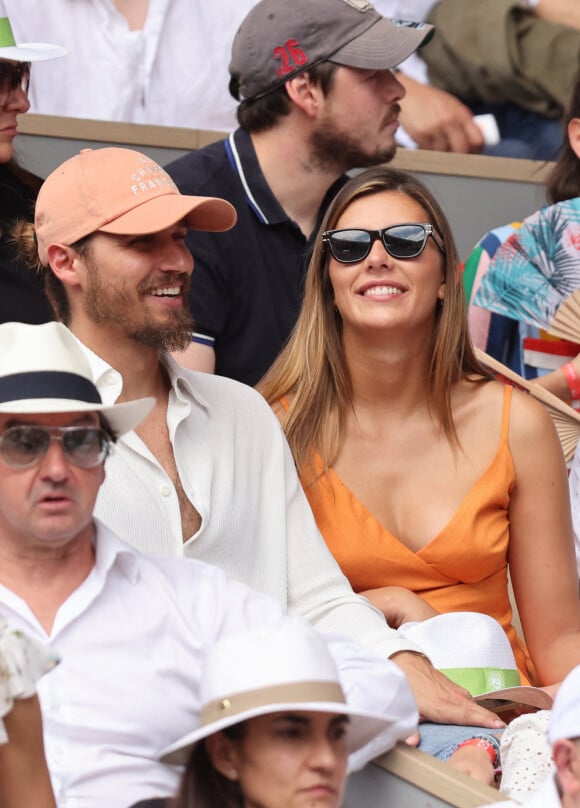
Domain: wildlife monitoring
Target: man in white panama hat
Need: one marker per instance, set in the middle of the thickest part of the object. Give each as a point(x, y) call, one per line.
point(131, 629)
point(208, 473)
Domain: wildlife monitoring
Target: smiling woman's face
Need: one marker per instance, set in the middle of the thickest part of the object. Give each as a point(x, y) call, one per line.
point(286, 760)
point(13, 101)
point(381, 291)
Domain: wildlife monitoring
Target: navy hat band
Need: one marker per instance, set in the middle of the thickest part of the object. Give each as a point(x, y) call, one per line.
point(48, 384)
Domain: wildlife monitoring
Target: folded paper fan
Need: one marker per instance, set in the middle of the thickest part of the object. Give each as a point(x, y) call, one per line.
point(536, 270)
point(566, 322)
point(566, 420)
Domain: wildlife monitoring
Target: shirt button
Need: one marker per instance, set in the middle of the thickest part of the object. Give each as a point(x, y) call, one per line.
point(110, 378)
point(165, 491)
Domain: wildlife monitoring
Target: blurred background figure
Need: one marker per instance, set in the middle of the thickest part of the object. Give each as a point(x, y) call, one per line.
point(21, 294)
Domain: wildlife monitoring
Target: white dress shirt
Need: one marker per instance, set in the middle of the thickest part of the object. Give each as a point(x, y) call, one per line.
point(173, 72)
point(132, 638)
point(574, 483)
point(236, 468)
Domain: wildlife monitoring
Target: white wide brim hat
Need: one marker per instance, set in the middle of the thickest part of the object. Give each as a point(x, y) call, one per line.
point(23, 51)
point(473, 650)
point(286, 669)
point(43, 370)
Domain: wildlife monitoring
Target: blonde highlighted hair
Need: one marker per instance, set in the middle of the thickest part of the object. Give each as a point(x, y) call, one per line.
point(311, 375)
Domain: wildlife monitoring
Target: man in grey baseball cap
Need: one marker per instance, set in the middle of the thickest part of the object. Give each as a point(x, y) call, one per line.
point(317, 97)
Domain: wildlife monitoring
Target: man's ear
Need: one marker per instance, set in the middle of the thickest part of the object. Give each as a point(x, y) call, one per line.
point(223, 753)
point(566, 756)
point(64, 262)
point(304, 93)
point(574, 136)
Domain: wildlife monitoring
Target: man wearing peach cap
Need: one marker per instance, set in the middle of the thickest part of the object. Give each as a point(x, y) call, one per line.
point(208, 473)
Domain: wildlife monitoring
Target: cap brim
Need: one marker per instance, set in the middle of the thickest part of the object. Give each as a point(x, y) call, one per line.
point(385, 44)
point(530, 696)
point(362, 727)
point(32, 52)
point(122, 417)
point(199, 212)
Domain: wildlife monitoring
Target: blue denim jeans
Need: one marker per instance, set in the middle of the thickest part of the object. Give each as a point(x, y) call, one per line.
point(441, 740)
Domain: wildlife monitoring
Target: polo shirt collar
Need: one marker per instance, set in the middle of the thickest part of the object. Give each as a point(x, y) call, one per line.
point(244, 162)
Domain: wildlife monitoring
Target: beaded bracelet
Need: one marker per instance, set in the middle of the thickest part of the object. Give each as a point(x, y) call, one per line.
point(572, 379)
point(483, 744)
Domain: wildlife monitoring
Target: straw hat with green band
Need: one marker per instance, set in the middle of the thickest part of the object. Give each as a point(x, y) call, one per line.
point(473, 650)
point(23, 51)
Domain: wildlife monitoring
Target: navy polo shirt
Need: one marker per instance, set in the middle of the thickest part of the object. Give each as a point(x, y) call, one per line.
point(246, 287)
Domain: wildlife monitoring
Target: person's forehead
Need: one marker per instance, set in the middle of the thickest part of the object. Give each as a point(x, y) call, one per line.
point(8, 420)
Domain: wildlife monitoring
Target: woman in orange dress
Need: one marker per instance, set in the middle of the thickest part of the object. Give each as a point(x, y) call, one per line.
point(427, 479)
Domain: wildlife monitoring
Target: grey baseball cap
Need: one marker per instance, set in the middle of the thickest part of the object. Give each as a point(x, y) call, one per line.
point(280, 38)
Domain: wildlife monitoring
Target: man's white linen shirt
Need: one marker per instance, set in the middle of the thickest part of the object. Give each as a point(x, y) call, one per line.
point(236, 468)
point(131, 639)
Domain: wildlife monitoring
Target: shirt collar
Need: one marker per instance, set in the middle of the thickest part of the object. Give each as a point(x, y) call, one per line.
point(244, 161)
point(109, 381)
point(111, 551)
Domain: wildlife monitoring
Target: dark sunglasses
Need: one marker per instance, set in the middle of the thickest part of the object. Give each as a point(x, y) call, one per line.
point(400, 241)
point(13, 77)
point(84, 446)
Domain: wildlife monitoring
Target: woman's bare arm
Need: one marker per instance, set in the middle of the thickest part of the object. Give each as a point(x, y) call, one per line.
point(541, 552)
point(24, 778)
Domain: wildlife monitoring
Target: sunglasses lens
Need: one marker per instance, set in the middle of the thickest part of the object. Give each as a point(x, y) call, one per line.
point(405, 241)
point(350, 246)
point(86, 447)
point(23, 445)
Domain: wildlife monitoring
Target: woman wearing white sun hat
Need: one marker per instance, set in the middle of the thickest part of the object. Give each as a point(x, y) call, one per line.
point(24, 776)
point(276, 729)
point(21, 293)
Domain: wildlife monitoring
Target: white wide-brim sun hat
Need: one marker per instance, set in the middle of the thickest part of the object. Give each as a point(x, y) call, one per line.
point(473, 650)
point(23, 51)
point(286, 669)
point(43, 370)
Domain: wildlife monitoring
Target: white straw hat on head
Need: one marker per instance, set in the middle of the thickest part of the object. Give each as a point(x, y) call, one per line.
point(43, 370)
point(270, 670)
point(474, 651)
point(565, 720)
point(23, 51)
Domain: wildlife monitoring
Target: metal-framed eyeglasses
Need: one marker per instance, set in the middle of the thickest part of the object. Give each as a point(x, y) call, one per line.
point(25, 446)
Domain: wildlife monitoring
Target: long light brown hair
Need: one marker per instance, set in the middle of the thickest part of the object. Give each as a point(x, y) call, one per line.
point(311, 372)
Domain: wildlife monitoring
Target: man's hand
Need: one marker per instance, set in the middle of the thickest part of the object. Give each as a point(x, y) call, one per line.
point(438, 698)
point(437, 120)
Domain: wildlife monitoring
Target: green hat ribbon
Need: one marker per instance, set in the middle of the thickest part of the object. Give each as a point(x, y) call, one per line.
point(483, 680)
point(6, 36)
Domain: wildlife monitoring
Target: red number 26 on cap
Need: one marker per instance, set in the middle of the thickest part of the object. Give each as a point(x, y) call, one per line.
point(291, 57)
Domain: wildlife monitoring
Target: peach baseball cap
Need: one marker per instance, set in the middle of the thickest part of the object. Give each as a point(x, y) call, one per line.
point(121, 191)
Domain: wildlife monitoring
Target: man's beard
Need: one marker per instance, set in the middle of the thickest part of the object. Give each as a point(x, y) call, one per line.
point(111, 304)
point(332, 149)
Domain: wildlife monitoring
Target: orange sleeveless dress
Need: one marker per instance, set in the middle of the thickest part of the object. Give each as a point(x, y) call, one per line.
point(463, 568)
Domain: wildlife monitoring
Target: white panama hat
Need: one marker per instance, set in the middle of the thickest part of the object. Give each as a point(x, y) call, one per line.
point(565, 719)
point(283, 669)
point(473, 650)
point(43, 370)
point(23, 51)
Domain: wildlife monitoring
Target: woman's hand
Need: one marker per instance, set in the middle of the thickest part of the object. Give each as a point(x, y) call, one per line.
point(399, 605)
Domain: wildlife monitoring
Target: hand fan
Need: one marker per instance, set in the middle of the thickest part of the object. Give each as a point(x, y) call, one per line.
point(566, 420)
point(537, 270)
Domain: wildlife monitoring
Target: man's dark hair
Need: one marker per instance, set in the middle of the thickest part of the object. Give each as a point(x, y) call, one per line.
point(260, 114)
